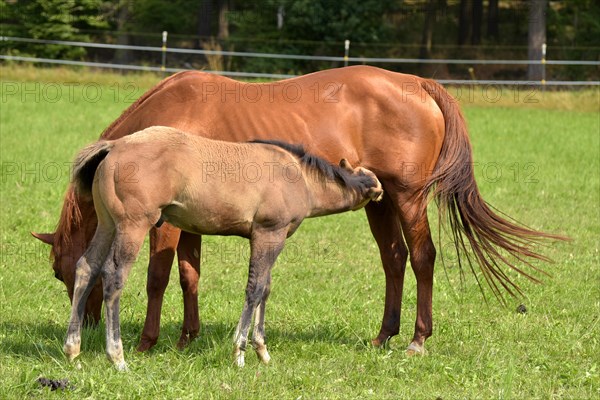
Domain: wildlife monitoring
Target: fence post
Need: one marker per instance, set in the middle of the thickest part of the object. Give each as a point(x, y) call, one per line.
point(346, 52)
point(543, 64)
point(164, 51)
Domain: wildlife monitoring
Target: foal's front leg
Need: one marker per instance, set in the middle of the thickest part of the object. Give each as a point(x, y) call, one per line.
point(265, 247)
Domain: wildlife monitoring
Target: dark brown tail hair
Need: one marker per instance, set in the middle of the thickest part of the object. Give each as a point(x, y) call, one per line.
point(85, 165)
point(492, 238)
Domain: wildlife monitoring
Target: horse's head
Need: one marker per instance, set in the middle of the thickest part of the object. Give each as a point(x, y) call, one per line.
point(67, 248)
point(373, 191)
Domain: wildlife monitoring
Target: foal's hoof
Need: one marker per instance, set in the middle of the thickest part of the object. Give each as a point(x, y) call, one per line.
point(263, 354)
point(71, 351)
point(121, 366)
point(238, 358)
point(414, 349)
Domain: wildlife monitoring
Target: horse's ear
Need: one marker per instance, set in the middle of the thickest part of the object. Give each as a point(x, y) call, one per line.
point(47, 238)
point(346, 165)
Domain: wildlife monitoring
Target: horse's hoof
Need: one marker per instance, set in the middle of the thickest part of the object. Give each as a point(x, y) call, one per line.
point(380, 342)
point(414, 349)
point(183, 342)
point(145, 345)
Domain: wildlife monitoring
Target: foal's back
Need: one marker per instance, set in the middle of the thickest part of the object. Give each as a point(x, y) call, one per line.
point(204, 186)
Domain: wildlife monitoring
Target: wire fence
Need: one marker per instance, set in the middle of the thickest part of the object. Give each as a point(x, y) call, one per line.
point(346, 59)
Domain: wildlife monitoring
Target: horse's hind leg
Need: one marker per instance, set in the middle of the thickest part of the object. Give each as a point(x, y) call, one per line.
point(384, 223)
point(188, 254)
point(415, 226)
point(258, 335)
point(163, 242)
point(86, 274)
point(122, 254)
point(265, 247)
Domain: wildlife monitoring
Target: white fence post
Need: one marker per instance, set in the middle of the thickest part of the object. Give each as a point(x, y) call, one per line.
point(346, 52)
point(164, 52)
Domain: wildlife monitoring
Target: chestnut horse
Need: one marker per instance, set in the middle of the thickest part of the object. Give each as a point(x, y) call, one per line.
point(175, 181)
point(406, 129)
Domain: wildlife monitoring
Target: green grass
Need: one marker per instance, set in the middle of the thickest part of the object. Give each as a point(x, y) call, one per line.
point(540, 166)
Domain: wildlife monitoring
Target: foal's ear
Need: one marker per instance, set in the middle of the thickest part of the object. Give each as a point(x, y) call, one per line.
point(346, 165)
point(47, 238)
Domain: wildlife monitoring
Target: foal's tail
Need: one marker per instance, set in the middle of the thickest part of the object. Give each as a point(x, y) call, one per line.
point(86, 163)
point(493, 239)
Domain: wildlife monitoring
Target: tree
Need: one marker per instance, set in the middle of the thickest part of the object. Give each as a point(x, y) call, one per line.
point(427, 36)
point(536, 38)
point(492, 20)
point(464, 22)
point(205, 13)
point(477, 19)
point(223, 22)
point(53, 19)
point(123, 56)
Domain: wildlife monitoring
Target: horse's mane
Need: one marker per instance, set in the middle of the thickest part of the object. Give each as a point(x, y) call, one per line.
point(70, 216)
point(106, 134)
point(323, 167)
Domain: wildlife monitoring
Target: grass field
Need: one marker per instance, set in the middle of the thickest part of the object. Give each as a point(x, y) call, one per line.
point(538, 162)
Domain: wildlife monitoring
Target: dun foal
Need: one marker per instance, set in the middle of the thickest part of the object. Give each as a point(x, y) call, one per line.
point(261, 191)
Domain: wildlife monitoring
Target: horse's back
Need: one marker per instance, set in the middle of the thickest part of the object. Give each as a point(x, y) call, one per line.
point(372, 117)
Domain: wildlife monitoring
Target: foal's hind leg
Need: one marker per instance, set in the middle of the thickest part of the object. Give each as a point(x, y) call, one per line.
point(384, 223)
point(258, 336)
point(86, 274)
point(265, 247)
point(115, 270)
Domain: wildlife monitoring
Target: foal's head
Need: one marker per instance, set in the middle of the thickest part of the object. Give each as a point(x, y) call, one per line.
point(370, 186)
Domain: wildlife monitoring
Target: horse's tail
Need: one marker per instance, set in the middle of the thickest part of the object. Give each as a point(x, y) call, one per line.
point(493, 239)
point(86, 163)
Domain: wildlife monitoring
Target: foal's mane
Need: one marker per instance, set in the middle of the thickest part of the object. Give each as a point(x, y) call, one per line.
point(322, 167)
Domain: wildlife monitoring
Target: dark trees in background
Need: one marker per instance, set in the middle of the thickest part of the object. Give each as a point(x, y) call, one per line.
point(492, 19)
point(464, 22)
point(205, 13)
point(223, 21)
point(470, 21)
point(376, 28)
point(428, 24)
point(477, 21)
point(536, 37)
point(123, 16)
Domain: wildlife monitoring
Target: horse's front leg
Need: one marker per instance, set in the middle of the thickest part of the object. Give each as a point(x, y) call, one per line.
point(115, 270)
point(163, 242)
point(86, 274)
point(188, 254)
point(265, 246)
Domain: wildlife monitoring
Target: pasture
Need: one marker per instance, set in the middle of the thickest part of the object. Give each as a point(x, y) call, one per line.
point(537, 160)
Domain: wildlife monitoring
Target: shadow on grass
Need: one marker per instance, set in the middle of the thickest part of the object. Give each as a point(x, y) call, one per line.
point(46, 338)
